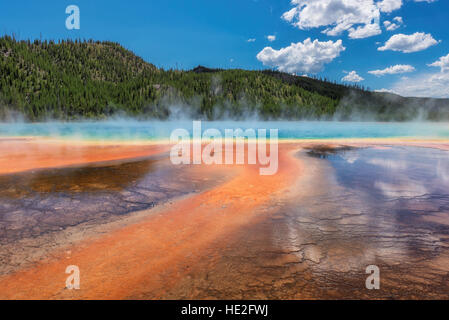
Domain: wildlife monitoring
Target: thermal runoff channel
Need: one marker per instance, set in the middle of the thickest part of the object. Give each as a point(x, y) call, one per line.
point(353, 210)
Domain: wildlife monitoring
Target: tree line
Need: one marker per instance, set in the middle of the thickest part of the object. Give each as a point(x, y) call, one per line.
point(79, 79)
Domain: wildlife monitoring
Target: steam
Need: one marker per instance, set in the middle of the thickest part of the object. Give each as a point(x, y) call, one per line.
point(356, 105)
point(377, 106)
point(9, 115)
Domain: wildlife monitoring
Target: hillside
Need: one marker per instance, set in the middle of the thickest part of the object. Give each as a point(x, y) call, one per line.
point(90, 79)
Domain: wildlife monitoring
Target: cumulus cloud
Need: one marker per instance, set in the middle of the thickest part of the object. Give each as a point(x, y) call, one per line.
point(302, 57)
point(365, 31)
point(360, 18)
point(271, 38)
point(409, 43)
point(443, 63)
point(252, 40)
point(389, 5)
point(391, 26)
point(352, 77)
point(399, 68)
point(398, 20)
point(383, 90)
point(434, 85)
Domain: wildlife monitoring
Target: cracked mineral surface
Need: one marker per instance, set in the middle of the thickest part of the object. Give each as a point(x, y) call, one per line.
point(36, 208)
point(343, 219)
point(145, 229)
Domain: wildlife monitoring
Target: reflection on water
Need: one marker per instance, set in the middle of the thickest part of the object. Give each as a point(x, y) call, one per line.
point(397, 172)
point(353, 208)
point(350, 208)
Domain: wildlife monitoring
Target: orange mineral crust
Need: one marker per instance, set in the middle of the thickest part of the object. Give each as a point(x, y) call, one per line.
point(225, 231)
point(22, 154)
point(146, 259)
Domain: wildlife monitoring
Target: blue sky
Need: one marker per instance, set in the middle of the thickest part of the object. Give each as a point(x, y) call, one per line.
point(345, 36)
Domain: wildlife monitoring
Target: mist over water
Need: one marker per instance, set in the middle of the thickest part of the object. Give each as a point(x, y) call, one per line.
point(131, 130)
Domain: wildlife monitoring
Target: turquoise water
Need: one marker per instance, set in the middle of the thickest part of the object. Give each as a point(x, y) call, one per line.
point(141, 130)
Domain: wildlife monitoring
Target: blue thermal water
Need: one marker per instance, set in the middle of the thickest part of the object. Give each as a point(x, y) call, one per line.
point(152, 130)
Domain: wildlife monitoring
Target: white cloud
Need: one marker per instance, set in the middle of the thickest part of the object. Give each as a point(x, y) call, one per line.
point(409, 43)
point(365, 31)
point(383, 90)
point(389, 5)
point(302, 57)
point(434, 85)
point(252, 40)
point(398, 20)
point(391, 26)
point(399, 68)
point(360, 18)
point(352, 77)
point(271, 38)
point(443, 63)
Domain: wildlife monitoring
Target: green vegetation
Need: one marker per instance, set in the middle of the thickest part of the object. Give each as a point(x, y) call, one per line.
point(90, 79)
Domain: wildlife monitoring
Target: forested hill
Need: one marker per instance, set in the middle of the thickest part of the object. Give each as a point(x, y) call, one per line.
point(89, 79)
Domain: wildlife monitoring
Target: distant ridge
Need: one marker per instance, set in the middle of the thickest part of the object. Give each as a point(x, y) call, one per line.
point(201, 69)
point(73, 79)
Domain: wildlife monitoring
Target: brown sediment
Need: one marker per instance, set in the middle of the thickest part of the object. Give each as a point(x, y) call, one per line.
point(321, 150)
point(442, 144)
point(149, 257)
point(56, 208)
